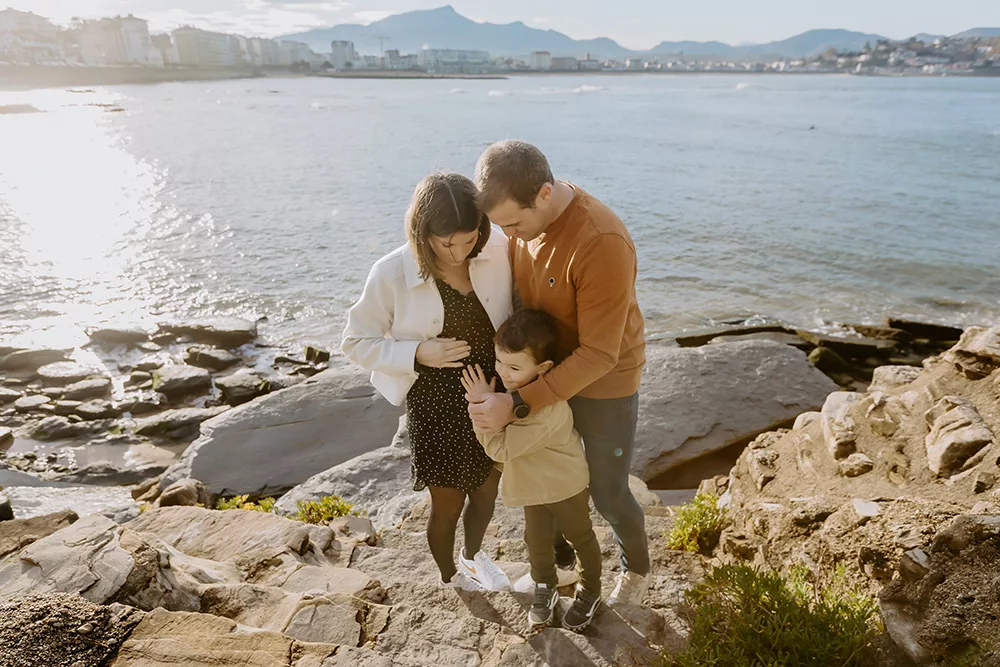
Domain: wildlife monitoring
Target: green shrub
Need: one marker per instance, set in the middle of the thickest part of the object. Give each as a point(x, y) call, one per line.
point(745, 617)
point(324, 510)
point(240, 503)
point(698, 525)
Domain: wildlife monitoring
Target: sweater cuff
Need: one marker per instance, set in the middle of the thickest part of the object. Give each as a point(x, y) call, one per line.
point(538, 395)
point(404, 356)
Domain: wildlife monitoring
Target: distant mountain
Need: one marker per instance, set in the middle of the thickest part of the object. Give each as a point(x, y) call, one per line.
point(979, 33)
point(444, 28)
point(927, 38)
point(811, 43)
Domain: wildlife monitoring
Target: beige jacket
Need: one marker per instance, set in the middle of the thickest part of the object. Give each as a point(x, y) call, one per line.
point(542, 456)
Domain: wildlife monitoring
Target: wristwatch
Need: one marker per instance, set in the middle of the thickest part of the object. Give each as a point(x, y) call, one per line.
point(521, 409)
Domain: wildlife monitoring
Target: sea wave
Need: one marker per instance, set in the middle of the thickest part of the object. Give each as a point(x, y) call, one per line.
point(457, 91)
point(589, 89)
point(498, 93)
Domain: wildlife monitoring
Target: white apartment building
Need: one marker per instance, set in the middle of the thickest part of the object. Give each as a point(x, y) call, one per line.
point(123, 40)
point(341, 53)
point(201, 48)
point(541, 60)
point(454, 60)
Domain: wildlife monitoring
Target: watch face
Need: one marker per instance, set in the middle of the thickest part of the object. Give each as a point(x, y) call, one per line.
point(521, 411)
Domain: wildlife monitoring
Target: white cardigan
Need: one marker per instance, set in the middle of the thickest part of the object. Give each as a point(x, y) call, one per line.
point(398, 310)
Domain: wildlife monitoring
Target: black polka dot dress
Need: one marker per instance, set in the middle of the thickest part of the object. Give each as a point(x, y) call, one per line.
point(444, 446)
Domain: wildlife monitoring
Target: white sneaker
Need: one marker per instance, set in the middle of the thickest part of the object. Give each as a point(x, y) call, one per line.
point(460, 581)
point(630, 588)
point(566, 578)
point(483, 571)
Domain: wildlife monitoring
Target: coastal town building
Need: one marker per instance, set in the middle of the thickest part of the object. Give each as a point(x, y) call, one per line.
point(455, 61)
point(202, 48)
point(122, 40)
point(28, 38)
point(341, 53)
point(565, 64)
point(541, 60)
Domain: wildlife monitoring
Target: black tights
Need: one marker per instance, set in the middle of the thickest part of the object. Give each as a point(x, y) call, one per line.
point(446, 508)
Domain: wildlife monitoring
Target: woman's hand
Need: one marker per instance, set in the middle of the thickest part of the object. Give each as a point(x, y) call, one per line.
point(475, 384)
point(443, 353)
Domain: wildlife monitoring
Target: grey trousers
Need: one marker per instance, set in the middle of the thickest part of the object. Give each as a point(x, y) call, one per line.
point(573, 516)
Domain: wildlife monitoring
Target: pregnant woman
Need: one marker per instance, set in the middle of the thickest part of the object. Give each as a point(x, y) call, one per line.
point(429, 308)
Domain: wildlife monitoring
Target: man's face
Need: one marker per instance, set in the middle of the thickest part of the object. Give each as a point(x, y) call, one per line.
point(523, 223)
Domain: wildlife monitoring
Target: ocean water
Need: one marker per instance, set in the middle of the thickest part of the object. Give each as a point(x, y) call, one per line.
point(811, 199)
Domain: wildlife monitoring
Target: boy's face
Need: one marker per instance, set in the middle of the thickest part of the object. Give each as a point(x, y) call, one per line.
point(518, 369)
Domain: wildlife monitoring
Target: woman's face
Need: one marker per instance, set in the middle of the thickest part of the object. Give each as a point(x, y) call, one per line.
point(453, 250)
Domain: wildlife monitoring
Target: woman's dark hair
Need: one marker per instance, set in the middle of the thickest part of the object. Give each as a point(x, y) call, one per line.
point(443, 205)
point(532, 330)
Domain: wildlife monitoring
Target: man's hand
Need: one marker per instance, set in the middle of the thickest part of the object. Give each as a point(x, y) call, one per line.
point(474, 382)
point(491, 412)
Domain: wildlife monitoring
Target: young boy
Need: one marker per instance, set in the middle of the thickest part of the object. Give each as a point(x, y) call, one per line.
point(545, 469)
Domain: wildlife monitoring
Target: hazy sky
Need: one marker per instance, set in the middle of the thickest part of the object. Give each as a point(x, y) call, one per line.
point(635, 24)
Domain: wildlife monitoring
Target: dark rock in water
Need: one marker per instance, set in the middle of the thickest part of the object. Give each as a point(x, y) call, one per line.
point(29, 403)
point(95, 388)
point(98, 409)
point(829, 361)
point(6, 436)
point(6, 349)
point(19, 533)
point(8, 395)
point(111, 337)
point(163, 338)
point(224, 332)
point(284, 359)
point(143, 405)
point(64, 372)
point(699, 337)
point(212, 359)
point(57, 428)
point(179, 381)
point(6, 511)
point(933, 332)
point(241, 388)
point(278, 382)
point(105, 473)
point(31, 359)
point(773, 336)
point(850, 347)
point(308, 371)
point(316, 355)
point(883, 333)
point(174, 420)
point(12, 109)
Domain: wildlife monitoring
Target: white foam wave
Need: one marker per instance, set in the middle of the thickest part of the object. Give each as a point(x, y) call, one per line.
point(744, 86)
point(318, 105)
point(498, 93)
point(589, 89)
point(456, 91)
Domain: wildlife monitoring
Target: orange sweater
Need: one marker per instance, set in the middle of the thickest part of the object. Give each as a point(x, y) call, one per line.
point(582, 272)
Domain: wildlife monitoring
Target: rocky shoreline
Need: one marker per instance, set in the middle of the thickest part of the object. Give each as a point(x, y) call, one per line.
point(883, 466)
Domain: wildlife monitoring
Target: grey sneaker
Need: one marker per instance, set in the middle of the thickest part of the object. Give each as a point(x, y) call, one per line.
point(579, 616)
point(630, 588)
point(543, 606)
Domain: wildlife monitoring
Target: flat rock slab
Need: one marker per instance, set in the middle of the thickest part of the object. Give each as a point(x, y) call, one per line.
point(98, 409)
point(241, 388)
point(31, 359)
point(694, 402)
point(699, 337)
point(224, 332)
point(30, 403)
point(105, 473)
point(8, 395)
point(849, 346)
point(930, 331)
point(32, 501)
point(64, 372)
point(173, 420)
point(774, 336)
point(279, 441)
point(114, 336)
point(61, 428)
point(19, 533)
point(86, 389)
point(6, 436)
point(177, 381)
point(210, 358)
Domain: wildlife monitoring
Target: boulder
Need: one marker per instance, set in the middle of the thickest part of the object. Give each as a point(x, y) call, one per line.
point(6, 436)
point(856, 465)
point(885, 378)
point(977, 354)
point(840, 430)
point(66, 408)
point(210, 358)
point(180, 381)
point(287, 437)
point(185, 493)
point(87, 389)
point(62, 428)
point(694, 402)
point(8, 395)
point(929, 331)
point(225, 332)
point(317, 355)
point(64, 372)
point(111, 336)
point(851, 347)
point(148, 365)
point(240, 388)
point(30, 403)
point(29, 360)
point(174, 421)
point(85, 558)
point(139, 377)
point(957, 432)
point(377, 482)
point(19, 533)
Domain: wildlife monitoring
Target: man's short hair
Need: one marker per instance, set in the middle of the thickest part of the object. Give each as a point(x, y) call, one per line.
point(532, 330)
point(511, 170)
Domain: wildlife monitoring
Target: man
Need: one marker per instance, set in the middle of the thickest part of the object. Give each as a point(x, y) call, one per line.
point(573, 258)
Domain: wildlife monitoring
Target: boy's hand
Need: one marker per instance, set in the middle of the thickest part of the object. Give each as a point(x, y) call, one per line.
point(475, 384)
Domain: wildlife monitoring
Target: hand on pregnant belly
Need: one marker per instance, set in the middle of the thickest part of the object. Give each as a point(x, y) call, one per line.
point(443, 353)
